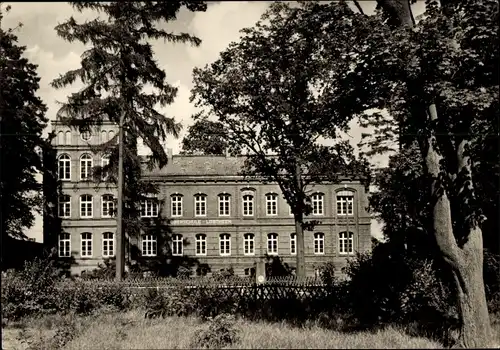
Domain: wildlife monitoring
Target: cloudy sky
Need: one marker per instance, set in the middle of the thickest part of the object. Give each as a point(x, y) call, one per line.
point(216, 27)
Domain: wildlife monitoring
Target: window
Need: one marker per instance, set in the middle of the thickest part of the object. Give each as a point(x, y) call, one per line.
point(293, 244)
point(249, 271)
point(111, 135)
point(64, 206)
point(64, 167)
point(345, 203)
point(247, 205)
point(248, 244)
point(64, 245)
point(224, 205)
point(85, 167)
point(68, 138)
point(60, 138)
point(317, 204)
point(86, 135)
point(149, 245)
point(86, 206)
point(271, 204)
point(346, 243)
point(149, 208)
point(104, 163)
point(176, 205)
point(200, 205)
point(272, 244)
point(225, 244)
point(319, 243)
point(108, 244)
point(86, 249)
point(108, 206)
point(177, 245)
point(104, 136)
point(201, 244)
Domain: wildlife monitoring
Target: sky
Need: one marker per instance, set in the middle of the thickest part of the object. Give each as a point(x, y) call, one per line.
point(217, 27)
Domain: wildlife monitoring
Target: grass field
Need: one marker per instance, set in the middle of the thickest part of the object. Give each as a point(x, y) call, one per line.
point(131, 331)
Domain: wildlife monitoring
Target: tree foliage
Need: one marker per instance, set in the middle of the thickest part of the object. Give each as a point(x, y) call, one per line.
point(117, 71)
point(206, 137)
point(269, 92)
point(22, 115)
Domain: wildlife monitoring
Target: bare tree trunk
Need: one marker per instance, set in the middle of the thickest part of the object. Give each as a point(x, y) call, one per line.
point(299, 230)
point(466, 261)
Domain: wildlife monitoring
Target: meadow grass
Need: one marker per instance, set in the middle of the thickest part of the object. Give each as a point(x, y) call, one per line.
point(130, 330)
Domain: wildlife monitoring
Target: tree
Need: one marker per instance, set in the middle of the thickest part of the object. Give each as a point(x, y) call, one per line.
point(439, 81)
point(269, 93)
point(115, 71)
point(22, 118)
point(205, 137)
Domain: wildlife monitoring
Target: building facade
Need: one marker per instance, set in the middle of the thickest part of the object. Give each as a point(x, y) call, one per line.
point(216, 217)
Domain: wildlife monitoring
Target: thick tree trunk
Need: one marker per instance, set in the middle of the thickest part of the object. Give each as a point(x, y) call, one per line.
point(299, 232)
point(467, 261)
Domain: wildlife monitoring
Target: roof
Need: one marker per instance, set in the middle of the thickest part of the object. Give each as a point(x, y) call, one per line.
point(199, 165)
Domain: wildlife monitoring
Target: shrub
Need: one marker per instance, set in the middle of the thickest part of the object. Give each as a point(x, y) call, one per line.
point(221, 332)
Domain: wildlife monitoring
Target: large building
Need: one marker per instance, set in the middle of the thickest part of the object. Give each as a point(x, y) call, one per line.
point(216, 217)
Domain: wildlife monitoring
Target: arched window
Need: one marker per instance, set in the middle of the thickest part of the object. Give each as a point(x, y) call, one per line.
point(317, 203)
point(176, 205)
point(86, 248)
point(177, 245)
point(224, 204)
point(108, 244)
point(104, 136)
point(111, 134)
point(272, 244)
point(64, 206)
point(271, 204)
point(346, 243)
point(86, 135)
point(225, 244)
point(60, 138)
point(85, 166)
point(248, 204)
point(86, 206)
point(201, 244)
point(200, 205)
point(319, 243)
point(149, 244)
point(249, 244)
point(67, 140)
point(345, 203)
point(64, 167)
point(108, 205)
point(64, 245)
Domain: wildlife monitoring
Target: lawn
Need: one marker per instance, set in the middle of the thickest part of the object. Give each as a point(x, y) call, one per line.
point(130, 330)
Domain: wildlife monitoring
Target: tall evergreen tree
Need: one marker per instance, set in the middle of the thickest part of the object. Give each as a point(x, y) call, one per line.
point(115, 71)
point(22, 120)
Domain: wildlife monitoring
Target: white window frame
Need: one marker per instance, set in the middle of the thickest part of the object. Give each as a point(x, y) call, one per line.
point(248, 244)
point(293, 243)
point(86, 164)
point(104, 162)
point(319, 243)
point(200, 200)
point(66, 206)
point(248, 201)
point(64, 162)
point(346, 241)
point(176, 207)
point(149, 238)
point(64, 240)
point(345, 203)
point(272, 244)
point(86, 203)
point(201, 244)
point(108, 245)
point(178, 244)
point(224, 204)
point(149, 208)
point(224, 244)
point(317, 199)
point(86, 245)
point(271, 203)
point(107, 204)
